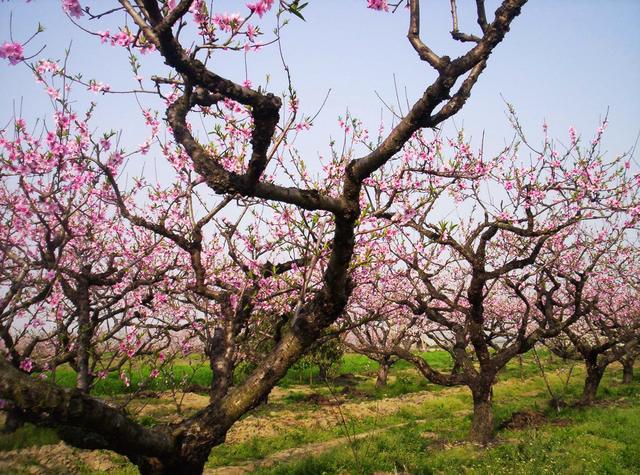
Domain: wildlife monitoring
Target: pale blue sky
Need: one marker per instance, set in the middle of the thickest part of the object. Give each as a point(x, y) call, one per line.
point(565, 61)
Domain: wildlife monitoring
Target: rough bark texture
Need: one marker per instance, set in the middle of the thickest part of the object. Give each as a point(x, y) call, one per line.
point(383, 373)
point(13, 421)
point(627, 371)
point(83, 380)
point(482, 421)
point(591, 383)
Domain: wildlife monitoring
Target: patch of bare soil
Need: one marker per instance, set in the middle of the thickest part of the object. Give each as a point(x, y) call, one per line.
point(524, 419)
point(163, 407)
point(53, 459)
point(297, 452)
point(325, 416)
point(529, 418)
point(278, 393)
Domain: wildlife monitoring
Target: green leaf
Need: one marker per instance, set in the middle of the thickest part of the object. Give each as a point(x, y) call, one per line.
point(295, 8)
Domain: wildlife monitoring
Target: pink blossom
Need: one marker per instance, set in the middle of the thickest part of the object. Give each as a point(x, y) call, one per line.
point(380, 5)
point(104, 36)
point(144, 148)
point(261, 7)
point(12, 51)
point(47, 66)
point(53, 93)
point(573, 136)
point(504, 216)
point(73, 8)
point(96, 86)
point(227, 22)
point(252, 31)
point(26, 365)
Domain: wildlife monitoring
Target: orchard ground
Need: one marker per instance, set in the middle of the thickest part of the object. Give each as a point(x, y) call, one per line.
point(346, 425)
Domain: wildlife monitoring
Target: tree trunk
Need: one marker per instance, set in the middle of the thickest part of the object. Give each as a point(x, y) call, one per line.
point(482, 422)
point(323, 373)
point(591, 383)
point(457, 367)
point(521, 367)
point(177, 466)
point(13, 421)
point(627, 371)
point(83, 382)
point(220, 354)
point(383, 373)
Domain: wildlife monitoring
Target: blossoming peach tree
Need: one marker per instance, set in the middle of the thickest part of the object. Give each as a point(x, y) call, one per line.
point(480, 283)
point(272, 247)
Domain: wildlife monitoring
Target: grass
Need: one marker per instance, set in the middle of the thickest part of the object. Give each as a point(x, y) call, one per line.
point(604, 439)
point(181, 374)
point(190, 372)
point(600, 439)
point(28, 436)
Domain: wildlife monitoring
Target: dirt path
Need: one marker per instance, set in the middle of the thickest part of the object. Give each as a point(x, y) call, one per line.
point(326, 416)
point(54, 459)
point(315, 448)
point(308, 417)
point(60, 458)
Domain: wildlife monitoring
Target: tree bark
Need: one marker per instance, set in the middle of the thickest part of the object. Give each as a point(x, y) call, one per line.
point(13, 421)
point(220, 353)
point(591, 383)
point(627, 370)
point(457, 367)
point(383, 373)
point(83, 379)
point(482, 422)
point(183, 465)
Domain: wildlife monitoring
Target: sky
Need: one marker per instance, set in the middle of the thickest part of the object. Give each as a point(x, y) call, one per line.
point(566, 62)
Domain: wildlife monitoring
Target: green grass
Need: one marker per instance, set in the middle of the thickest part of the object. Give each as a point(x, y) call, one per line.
point(28, 436)
point(259, 447)
point(112, 384)
point(604, 439)
point(600, 439)
point(185, 373)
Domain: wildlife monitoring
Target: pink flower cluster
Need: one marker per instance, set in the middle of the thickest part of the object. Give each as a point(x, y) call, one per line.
point(227, 22)
point(96, 86)
point(73, 8)
point(378, 5)
point(12, 51)
point(26, 365)
point(261, 7)
point(122, 38)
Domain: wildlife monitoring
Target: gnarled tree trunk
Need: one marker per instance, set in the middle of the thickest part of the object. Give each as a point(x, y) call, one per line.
point(13, 421)
point(482, 421)
point(457, 366)
point(84, 337)
point(591, 383)
point(627, 370)
point(383, 373)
